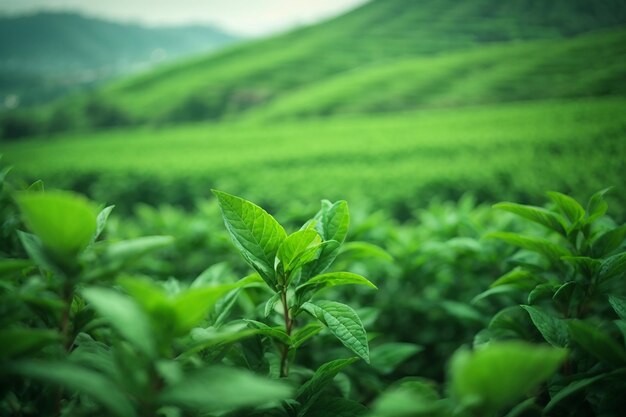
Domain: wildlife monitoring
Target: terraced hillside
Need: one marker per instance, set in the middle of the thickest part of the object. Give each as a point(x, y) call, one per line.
point(391, 54)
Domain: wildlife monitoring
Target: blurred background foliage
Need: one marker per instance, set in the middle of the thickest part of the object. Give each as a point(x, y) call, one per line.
point(420, 114)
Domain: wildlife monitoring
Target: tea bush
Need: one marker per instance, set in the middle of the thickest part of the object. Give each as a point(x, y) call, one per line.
point(103, 315)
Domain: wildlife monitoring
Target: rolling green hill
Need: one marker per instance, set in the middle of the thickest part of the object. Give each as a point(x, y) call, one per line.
point(506, 151)
point(46, 54)
point(386, 55)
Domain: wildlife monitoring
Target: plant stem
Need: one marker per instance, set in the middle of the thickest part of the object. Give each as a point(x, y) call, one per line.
point(284, 361)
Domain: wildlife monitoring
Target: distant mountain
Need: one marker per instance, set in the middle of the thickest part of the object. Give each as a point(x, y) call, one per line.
point(45, 54)
point(387, 55)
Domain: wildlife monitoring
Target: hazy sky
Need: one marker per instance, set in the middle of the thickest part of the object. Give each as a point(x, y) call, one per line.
point(249, 17)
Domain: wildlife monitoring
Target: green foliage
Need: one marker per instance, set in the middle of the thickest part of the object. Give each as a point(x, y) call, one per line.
point(64, 223)
point(498, 375)
point(124, 324)
point(430, 156)
point(286, 261)
point(570, 276)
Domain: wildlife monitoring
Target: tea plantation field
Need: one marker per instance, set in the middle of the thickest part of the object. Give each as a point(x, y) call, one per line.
point(497, 152)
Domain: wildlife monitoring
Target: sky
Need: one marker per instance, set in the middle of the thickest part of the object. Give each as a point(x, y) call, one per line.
point(245, 17)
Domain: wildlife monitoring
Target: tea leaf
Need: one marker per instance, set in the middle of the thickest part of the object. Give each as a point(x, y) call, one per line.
point(536, 214)
point(553, 329)
point(597, 342)
point(572, 388)
point(76, 378)
point(568, 206)
point(308, 393)
point(293, 251)
point(609, 241)
point(101, 221)
point(20, 341)
point(343, 322)
point(619, 305)
point(332, 279)
point(499, 374)
point(65, 222)
point(535, 244)
point(255, 233)
point(612, 267)
point(597, 206)
point(300, 336)
point(124, 315)
point(327, 255)
point(221, 389)
point(333, 220)
point(386, 358)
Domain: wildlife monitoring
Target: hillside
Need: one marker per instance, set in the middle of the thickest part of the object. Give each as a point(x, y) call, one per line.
point(46, 54)
point(387, 55)
point(392, 160)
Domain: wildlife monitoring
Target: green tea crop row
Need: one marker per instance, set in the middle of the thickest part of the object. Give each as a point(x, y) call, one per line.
point(453, 319)
point(513, 151)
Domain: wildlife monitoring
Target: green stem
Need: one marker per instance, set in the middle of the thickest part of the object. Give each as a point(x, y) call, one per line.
point(284, 360)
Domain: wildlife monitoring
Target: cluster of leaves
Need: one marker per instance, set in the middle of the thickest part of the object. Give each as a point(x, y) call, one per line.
point(86, 331)
point(566, 288)
point(81, 334)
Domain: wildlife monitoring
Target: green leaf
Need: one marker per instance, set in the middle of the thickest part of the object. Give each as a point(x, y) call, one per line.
point(333, 220)
point(270, 305)
point(34, 248)
point(553, 329)
point(193, 305)
point(536, 214)
point(11, 267)
point(568, 206)
point(343, 322)
point(364, 250)
point(413, 398)
point(128, 251)
point(535, 244)
point(332, 279)
point(76, 378)
point(124, 315)
point(597, 342)
point(597, 206)
point(328, 251)
point(612, 267)
point(273, 332)
point(294, 251)
point(310, 391)
point(210, 337)
point(499, 374)
point(570, 389)
point(65, 222)
point(542, 291)
point(619, 305)
point(19, 341)
point(301, 335)
point(221, 389)
point(583, 264)
point(519, 278)
point(499, 290)
point(386, 358)
point(177, 313)
point(36, 186)
point(255, 233)
point(101, 221)
point(609, 241)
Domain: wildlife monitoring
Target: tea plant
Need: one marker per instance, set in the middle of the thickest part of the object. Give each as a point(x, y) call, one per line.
point(293, 266)
point(72, 345)
point(81, 334)
point(573, 282)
